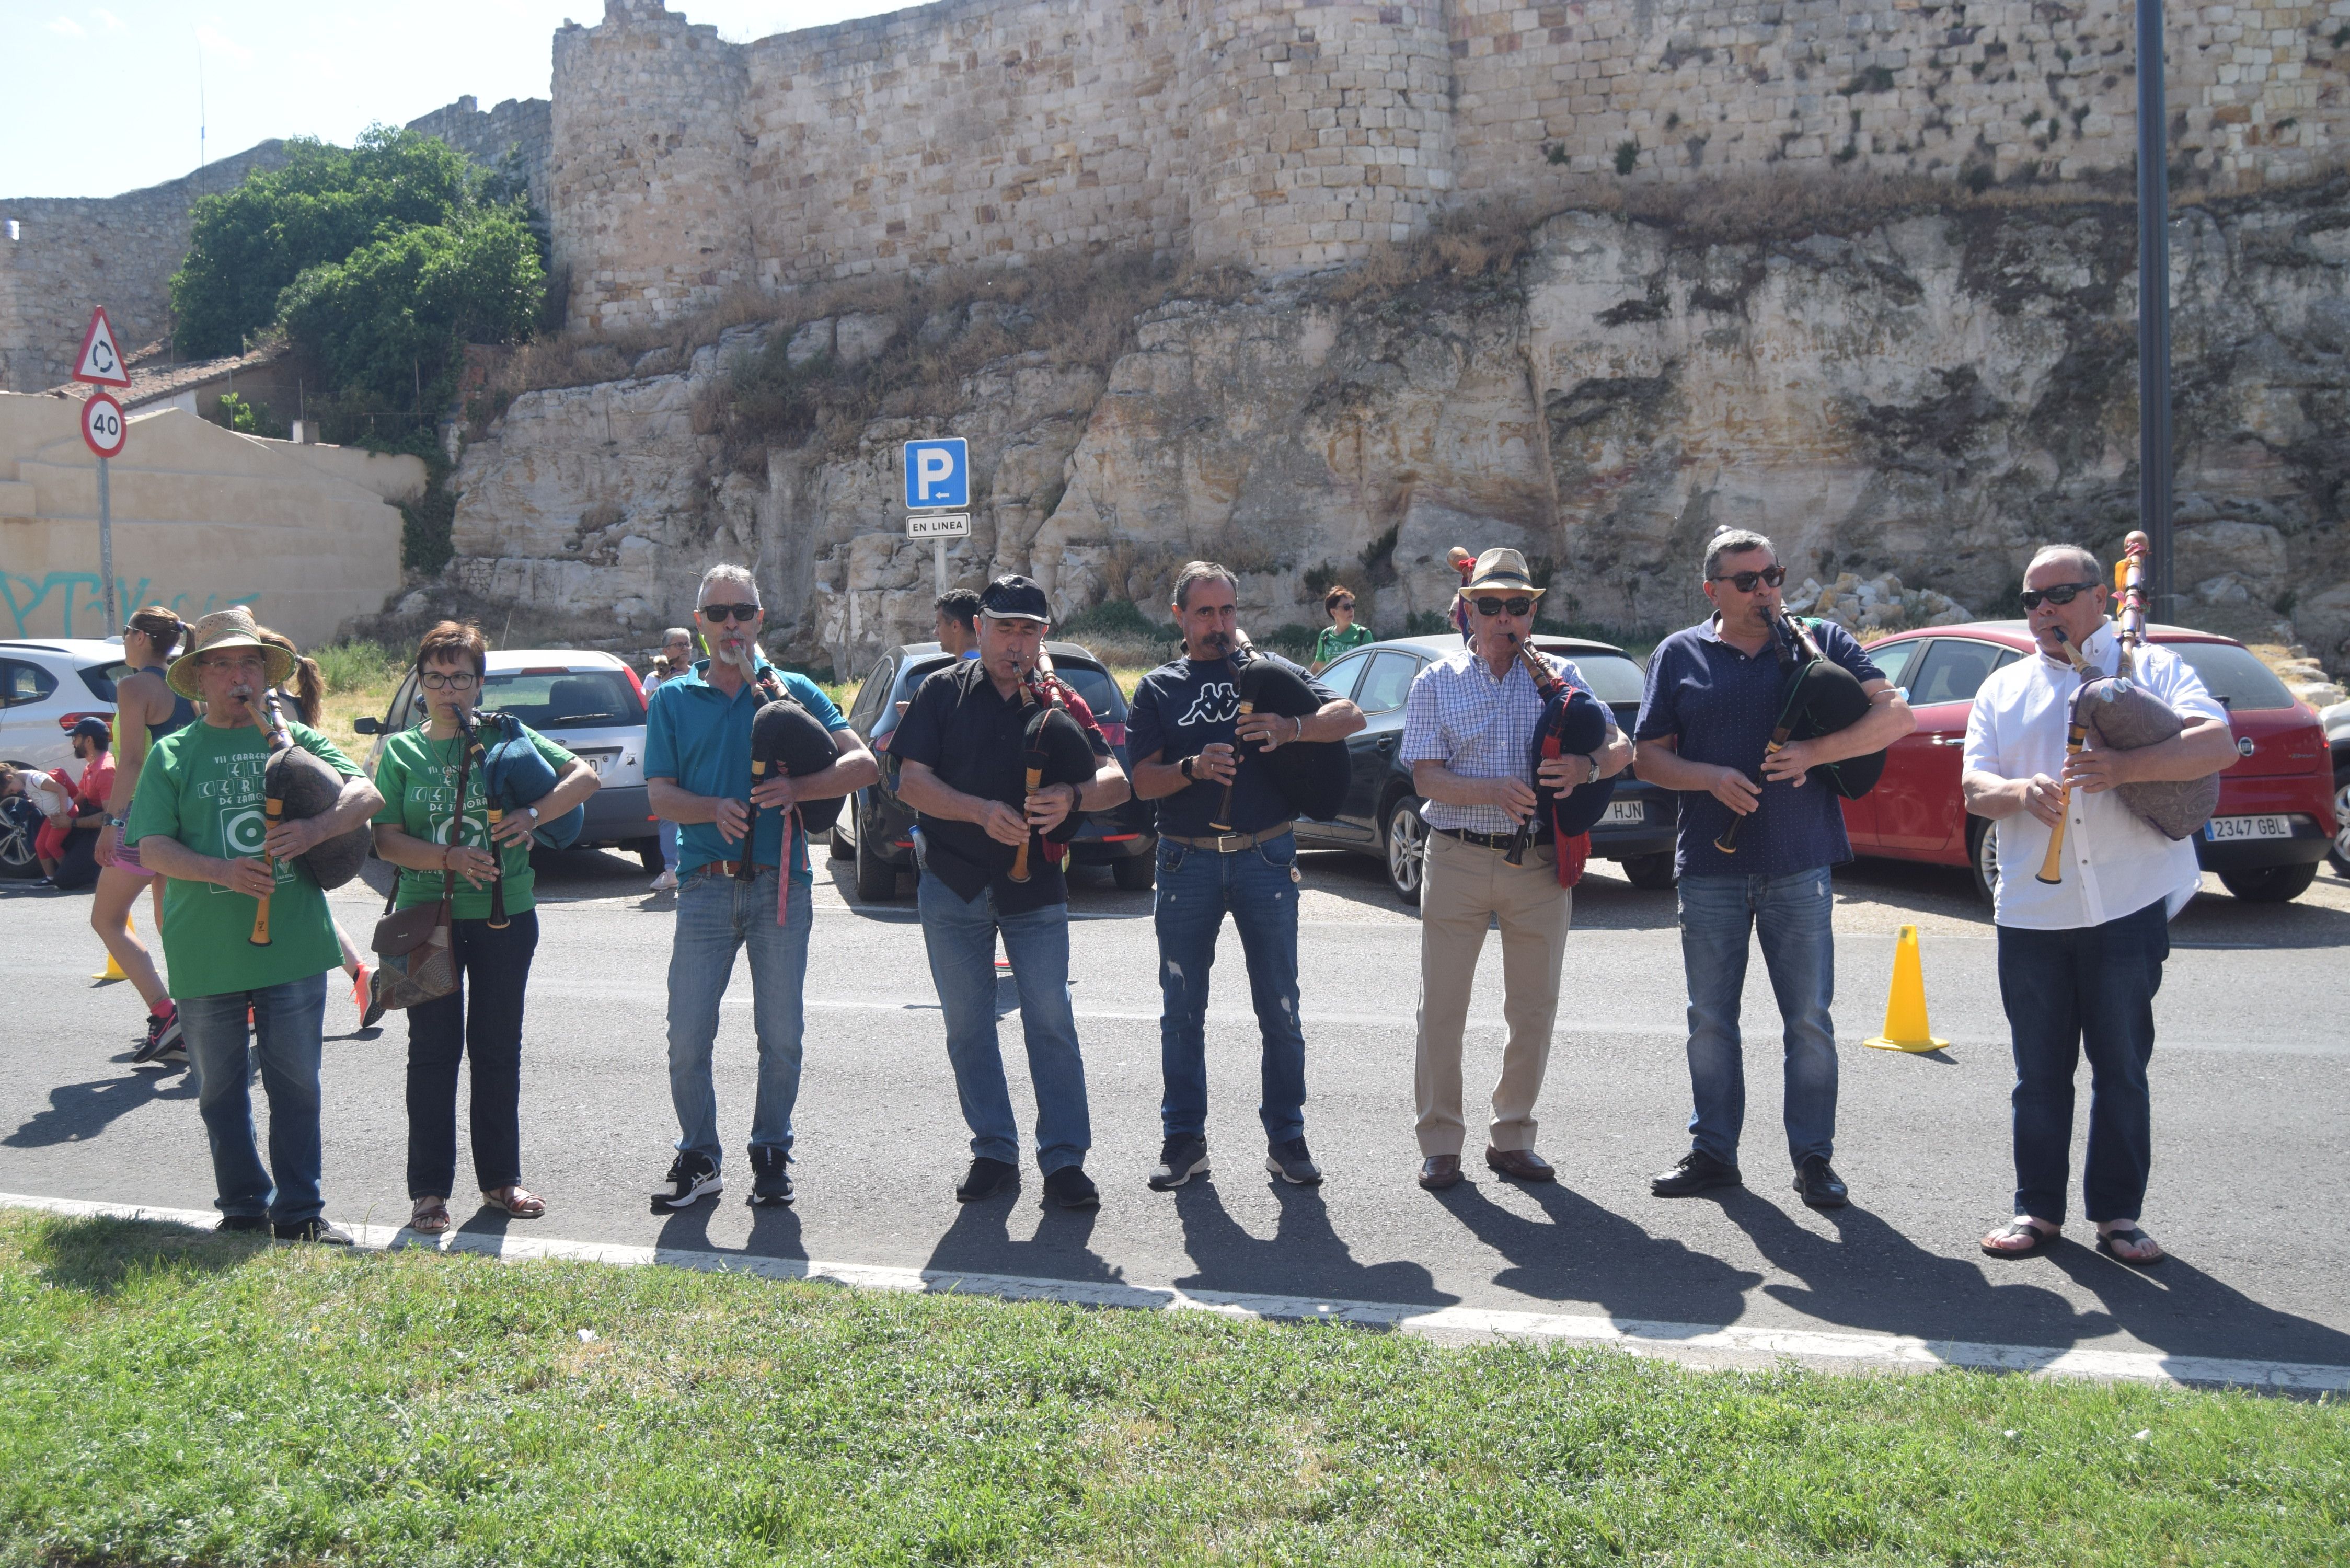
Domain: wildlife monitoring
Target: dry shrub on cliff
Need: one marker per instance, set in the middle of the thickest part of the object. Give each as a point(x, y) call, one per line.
point(1481, 240)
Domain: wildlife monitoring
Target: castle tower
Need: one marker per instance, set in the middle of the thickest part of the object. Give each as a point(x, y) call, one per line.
point(1318, 130)
point(645, 199)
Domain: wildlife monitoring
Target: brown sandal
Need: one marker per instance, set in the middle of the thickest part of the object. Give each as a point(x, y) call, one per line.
point(429, 1216)
point(517, 1201)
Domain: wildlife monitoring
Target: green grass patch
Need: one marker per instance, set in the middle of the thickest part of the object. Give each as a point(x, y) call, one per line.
point(168, 1395)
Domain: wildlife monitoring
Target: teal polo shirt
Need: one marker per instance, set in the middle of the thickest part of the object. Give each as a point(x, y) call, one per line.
point(695, 734)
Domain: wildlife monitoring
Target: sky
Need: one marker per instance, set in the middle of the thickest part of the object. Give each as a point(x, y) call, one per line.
point(98, 99)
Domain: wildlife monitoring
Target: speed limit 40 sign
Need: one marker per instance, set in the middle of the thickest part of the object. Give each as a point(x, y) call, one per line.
point(103, 426)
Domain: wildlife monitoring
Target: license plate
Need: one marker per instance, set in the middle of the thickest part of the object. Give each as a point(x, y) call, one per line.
point(2222, 829)
point(602, 761)
point(1631, 811)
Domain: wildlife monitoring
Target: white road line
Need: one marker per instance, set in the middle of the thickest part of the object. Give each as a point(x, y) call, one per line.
point(1703, 1344)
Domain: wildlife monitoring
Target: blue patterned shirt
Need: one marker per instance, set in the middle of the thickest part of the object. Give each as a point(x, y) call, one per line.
point(1478, 728)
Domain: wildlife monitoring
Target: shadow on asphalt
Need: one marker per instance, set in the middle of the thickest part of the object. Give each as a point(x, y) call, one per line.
point(79, 1111)
point(1304, 1256)
point(1581, 1252)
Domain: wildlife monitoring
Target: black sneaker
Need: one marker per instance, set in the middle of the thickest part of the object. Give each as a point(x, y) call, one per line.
point(377, 998)
point(320, 1229)
point(1822, 1188)
point(986, 1179)
point(1289, 1161)
point(231, 1224)
point(770, 1178)
point(162, 1041)
point(691, 1177)
point(1180, 1160)
point(1697, 1171)
point(1071, 1188)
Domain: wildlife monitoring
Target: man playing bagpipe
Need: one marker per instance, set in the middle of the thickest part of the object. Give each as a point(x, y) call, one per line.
point(246, 932)
point(1470, 733)
point(744, 879)
point(1754, 856)
point(2082, 942)
point(990, 757)
point(1204, 730)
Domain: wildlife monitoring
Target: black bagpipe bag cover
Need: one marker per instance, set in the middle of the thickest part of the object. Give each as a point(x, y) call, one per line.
point(1582, 722)
point(785, 736)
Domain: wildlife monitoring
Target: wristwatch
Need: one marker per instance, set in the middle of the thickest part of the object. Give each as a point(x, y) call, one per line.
point(1184, 767)
point(116, 823)
point(1594, 759)
point(534, 810)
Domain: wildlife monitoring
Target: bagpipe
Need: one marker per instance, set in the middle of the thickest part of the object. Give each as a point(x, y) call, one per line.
point(1817, 696)
point(1054, 750)
point(787, 739)
point(297, 785)
point(2113, 712)
point(1574, 724)
point(514, 777)
point(1312, 776)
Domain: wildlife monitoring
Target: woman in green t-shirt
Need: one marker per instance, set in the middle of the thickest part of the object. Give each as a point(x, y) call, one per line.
point(419, 830)
point(1342, 634)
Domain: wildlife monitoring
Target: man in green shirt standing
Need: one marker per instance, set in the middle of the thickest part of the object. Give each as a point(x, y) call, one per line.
point(198, 819)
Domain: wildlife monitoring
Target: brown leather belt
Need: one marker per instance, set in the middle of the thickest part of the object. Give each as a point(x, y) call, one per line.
point(1494, 840)
point(1231, 843)
point(727, 869)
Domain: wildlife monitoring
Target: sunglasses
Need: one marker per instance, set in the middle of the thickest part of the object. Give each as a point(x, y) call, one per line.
point(717, 614)
point(2056, 594)
point(1744, 581)
point(1490, 607)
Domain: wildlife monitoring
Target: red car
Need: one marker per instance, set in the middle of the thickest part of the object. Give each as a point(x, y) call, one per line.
point(2275, 820)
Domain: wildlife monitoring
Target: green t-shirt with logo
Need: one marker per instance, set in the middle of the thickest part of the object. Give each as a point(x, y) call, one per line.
point(417, 776)
point(1332, 640)
point(201, 787)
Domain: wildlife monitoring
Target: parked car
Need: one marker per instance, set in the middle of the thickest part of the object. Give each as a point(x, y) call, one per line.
point(877, 828)
point(2277, 816)
point(2336, 719)
point(589, 703)
point(46, 686)
point(1381, 816)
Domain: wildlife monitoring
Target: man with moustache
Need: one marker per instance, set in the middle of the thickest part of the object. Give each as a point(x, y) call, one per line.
point(2080, 960)
point(1468, 729)
point(1181, 730)
point(1714, 697)
point(198, 820)
point(698, 775)
point(958, 750)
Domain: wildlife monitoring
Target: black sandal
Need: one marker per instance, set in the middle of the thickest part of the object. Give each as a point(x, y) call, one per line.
point(2019, 1226)
point(2132, 1236)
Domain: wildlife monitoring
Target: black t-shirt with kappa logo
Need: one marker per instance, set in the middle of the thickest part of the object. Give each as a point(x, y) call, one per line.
point(1188, 704)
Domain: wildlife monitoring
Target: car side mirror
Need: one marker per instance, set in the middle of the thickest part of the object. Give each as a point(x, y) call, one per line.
point(366, 725)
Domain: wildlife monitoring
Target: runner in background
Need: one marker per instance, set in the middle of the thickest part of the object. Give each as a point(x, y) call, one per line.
point(145, 711)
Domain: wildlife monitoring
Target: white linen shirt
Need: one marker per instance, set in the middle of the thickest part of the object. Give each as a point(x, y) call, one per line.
point(2115, 863)
point(1478, 728)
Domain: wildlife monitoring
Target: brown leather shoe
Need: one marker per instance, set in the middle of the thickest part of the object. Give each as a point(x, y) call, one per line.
point(1522, 1163)
point(1439, 1171)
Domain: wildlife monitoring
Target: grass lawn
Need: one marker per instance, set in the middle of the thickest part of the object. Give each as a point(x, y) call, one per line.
point(170, 1396)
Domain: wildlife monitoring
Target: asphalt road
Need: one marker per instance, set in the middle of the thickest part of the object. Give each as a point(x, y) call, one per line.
point(2251, 1093)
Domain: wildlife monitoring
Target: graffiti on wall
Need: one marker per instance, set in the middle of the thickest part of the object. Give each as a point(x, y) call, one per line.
point(58, 598)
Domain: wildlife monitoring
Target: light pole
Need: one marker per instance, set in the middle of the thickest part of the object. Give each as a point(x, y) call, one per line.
point(2153, 305)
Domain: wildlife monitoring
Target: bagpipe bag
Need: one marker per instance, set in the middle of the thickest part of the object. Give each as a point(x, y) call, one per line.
point(308, 788)
point(1819, 698)
point(515, 776)
point(1312, 776)
point(785, 736)
point(1055, 746)
point(1579, 722)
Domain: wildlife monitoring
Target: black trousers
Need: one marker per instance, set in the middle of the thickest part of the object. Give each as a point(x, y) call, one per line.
point(482, 1019)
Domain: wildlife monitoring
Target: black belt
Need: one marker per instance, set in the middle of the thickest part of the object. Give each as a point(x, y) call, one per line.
point(1495, 840)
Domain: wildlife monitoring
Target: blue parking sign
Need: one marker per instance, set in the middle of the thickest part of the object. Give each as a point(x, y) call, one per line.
point(938, 472)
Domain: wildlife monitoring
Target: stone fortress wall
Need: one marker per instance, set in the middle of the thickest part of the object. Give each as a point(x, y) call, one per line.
point(1287, 134)
point(522, 128)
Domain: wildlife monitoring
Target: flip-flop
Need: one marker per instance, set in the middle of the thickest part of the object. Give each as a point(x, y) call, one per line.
point(429, 1216)
point(2132, 1236)
point(2041, 1239)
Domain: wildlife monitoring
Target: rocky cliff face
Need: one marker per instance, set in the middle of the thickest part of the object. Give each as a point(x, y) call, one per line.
point(1932, 394)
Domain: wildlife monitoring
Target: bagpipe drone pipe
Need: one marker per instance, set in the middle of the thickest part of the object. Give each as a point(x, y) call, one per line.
point(1817, 696)
point(1054, 750)
point(1312, 776)
point(297, 785)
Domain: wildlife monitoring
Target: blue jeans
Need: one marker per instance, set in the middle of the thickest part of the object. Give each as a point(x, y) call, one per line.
point(717, 915)
point(1794, 917)
point(1196, 888)
point(2065, 991)
point(960, 938)
point(288, 1020)
point(668, 845)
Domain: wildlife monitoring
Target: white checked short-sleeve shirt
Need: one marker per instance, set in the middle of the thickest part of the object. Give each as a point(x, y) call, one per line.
point(2115, 863)
point(1478, 727)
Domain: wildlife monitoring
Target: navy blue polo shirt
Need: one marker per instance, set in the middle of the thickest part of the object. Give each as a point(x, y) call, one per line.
point(1721, 704)
point(699, 736)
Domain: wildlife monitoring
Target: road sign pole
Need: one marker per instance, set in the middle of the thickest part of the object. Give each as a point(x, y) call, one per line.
point(2154, 476)
point(106, 547)
point(942, 564)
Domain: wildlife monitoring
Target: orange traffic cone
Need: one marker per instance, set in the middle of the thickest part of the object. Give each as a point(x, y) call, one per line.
point(1904, 1005)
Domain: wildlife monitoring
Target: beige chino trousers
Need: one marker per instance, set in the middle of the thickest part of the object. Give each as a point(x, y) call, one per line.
point(1466, 884)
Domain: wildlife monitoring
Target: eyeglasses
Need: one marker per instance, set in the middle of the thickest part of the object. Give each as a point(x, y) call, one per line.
point(1490, 607)
point(436, 682)
point(2056, 594)
point(718, 615)
point(1744, 581)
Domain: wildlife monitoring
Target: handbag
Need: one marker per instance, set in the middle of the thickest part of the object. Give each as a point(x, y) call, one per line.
point(420, 964)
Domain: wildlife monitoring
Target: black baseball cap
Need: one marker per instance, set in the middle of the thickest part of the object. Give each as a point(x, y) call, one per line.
point(96, 729)
point(1015, 597)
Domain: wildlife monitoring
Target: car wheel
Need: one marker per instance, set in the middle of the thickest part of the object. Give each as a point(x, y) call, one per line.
point(842, 849)
point(2339, 853)
point(877, 879)
point(1406, 836)
point(17, 827)
point(1652, 872)
point(1136, 873)
point(1983, 854)
point(2270, 884)
point(649, 855)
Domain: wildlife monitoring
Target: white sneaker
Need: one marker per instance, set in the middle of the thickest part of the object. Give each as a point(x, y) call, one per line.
point(666, 882)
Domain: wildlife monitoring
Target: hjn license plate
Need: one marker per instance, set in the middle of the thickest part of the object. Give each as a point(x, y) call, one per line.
point(1631, 811)
point(2224, 828)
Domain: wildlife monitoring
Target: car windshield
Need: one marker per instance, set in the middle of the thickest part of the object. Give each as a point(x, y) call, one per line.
point(2234, 675)
point(564, 698)
point(1614, 677)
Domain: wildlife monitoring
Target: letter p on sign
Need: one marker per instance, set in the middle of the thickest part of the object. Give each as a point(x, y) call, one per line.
point(938, 473)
